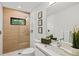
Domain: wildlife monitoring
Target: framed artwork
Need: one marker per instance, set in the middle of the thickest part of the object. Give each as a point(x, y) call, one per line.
point(40, 30)
point(40, 22)
point(39, 14)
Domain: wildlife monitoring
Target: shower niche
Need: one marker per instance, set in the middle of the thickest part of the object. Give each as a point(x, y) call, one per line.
point(17, 21)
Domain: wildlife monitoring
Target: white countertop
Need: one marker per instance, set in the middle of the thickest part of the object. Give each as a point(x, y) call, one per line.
point(65, 49)
point(45, 50)
point(68, 48)
point(51, 50)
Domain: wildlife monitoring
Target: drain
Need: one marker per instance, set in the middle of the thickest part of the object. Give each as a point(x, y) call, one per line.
point(19, 53)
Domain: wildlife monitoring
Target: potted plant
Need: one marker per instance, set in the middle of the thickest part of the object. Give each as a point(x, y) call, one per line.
point(76, 39)
point(45, 40)
point(52, 38)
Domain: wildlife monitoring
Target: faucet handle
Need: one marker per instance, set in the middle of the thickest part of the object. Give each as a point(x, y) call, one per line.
point(62, 39)
point(58, 44)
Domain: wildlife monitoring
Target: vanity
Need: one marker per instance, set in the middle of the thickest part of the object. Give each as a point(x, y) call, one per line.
point(53, 50)
point(60, 23)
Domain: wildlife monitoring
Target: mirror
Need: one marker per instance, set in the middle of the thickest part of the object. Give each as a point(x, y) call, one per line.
point(61, 17)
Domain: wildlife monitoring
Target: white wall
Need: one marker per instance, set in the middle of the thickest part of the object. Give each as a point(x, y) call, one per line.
point(1, 28)
point(64, 21)
point(35, 36)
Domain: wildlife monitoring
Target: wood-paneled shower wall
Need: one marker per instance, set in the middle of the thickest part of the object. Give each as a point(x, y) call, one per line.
point(15, 37)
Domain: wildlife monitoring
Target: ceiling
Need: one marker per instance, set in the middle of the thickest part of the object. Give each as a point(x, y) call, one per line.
point(29, 6)
point(59, 6)
point(22, 6)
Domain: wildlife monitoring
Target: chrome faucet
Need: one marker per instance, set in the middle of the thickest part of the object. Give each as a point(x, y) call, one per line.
point(59, 42)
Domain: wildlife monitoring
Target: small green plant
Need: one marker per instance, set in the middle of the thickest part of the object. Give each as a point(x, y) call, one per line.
point(50, 36)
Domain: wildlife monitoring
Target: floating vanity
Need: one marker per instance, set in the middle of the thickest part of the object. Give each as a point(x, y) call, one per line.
point(53, 50)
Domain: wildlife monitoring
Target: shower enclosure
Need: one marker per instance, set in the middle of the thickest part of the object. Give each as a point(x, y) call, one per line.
point(16, 33)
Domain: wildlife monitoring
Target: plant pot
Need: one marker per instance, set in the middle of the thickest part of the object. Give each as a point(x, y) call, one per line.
point(45, 41)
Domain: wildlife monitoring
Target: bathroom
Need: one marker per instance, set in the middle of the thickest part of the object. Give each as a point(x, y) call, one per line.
point(26, 23)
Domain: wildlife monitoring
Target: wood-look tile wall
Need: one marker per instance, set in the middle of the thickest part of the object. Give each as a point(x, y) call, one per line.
point(14, 36)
